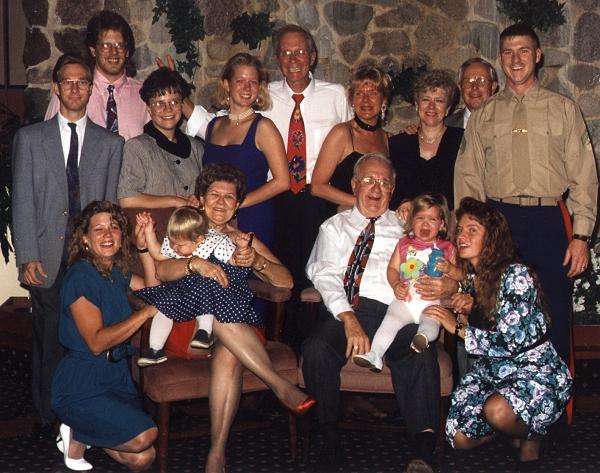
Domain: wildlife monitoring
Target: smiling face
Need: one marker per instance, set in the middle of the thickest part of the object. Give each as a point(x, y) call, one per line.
point(518, 57)
point(243, 87)
point(110, 58)
point(295, 60)
point(73, 98)
point(470, 236)
point(427, 224)
point(165, 112)
point(220, 203)
point(432, 106)
point(477, 85)
point(367, 101)
point(373, 187)
point(103, 238)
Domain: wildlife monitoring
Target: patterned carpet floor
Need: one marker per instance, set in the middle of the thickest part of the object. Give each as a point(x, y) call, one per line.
point(369, 445)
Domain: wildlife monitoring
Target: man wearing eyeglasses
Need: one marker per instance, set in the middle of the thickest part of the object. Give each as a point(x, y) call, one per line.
point(477, 80)
point(350, 274)
point(60, 166)
point(115, 102)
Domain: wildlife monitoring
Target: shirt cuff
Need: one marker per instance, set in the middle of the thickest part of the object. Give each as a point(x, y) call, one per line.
point(195, 122)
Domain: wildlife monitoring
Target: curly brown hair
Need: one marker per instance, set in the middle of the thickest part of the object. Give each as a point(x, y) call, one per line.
point(77, 250)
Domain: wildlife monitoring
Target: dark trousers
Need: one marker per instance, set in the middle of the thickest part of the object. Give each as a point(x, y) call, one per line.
point(541, 237)
point(46, 350)
point(297, 217)
point(415, 376)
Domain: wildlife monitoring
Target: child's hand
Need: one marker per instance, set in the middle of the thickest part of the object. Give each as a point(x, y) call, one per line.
point(401, 291)
point(444, 265)
point(462, 303)
point(243, 240)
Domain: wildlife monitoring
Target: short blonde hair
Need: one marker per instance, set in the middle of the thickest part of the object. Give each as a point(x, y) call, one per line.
point(424, 202)
point(263, 100)
point(187, 223)
point(367, 72)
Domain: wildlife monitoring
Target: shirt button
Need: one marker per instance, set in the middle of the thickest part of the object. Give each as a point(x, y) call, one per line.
point(65, 213)
point(185, 188)
point(178, 162)
point(61, 237)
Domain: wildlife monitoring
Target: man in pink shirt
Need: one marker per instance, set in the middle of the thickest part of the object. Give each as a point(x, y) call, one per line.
point(110, 42)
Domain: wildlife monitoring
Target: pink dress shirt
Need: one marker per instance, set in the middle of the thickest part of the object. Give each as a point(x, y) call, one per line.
point(131, 110)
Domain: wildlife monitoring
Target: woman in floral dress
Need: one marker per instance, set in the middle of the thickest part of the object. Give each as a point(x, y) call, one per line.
point(519, 385)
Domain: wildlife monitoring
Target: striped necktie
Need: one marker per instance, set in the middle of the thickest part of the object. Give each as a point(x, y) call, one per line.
point(112, 121)
point(358, 262)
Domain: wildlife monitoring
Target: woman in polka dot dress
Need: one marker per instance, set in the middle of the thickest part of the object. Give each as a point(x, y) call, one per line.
point(195, 296)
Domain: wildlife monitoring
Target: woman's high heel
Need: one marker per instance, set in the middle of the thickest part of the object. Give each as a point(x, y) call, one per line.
point(76, 464)
point(303, 407)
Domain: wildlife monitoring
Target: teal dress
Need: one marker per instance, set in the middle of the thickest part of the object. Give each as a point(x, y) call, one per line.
point(94, 396)
point(516, 360)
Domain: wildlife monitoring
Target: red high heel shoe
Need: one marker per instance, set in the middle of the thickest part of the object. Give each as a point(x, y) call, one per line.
point(303, 407)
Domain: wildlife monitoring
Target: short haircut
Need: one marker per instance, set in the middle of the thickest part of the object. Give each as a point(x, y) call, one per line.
point(263, 100)
point(161, 81)
point(424, 202)
point(65, 60)
point(224, 172)
point(437, 79)
point(477, 60)
point(374, 157)
point(367, 72)
point(187, 223)
point(109, 20)
point(520, 29)
point(312, 48)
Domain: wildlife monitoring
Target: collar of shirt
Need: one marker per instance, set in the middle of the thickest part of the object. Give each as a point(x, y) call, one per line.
point(466, 116)
point(65, 134)
point(358, 220)
point(102, 82)
point(530, 94)
point(307, 92)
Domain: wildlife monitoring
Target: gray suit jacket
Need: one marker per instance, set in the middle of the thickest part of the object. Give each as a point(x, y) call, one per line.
point(40, 193)
point(456, 119)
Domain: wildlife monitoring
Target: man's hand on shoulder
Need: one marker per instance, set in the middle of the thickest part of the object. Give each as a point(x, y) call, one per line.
point(357, 341)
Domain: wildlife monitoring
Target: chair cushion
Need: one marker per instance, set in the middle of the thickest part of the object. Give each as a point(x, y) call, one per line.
point(178, 379)
point(356, 379)
point(264, 290)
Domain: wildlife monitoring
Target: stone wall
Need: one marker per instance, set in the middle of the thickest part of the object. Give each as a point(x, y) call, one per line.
point(393, 33)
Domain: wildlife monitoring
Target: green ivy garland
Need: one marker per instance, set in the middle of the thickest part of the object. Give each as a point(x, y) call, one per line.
point(251, 29)
point(539, 14)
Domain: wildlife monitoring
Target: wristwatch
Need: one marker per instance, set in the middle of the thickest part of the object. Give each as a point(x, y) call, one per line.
point(586, 238)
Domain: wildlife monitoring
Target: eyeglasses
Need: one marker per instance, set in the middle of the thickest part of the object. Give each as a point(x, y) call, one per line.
point(371, 181)
point(475, 81)
point(106, 47)
point(78, 84)
point(161, 105)
point(298, 53)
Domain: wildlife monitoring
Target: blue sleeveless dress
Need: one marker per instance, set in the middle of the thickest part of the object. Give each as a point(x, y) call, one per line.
point(260, 217)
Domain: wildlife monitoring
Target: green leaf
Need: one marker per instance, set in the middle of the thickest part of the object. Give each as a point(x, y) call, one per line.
point(251, 29)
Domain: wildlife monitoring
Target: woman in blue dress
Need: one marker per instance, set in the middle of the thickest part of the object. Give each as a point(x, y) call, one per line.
point(518, 385)
point(92, 392)
point(249, 141)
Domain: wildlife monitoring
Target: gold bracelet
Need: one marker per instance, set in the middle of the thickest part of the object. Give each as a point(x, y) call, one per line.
point(188, 267)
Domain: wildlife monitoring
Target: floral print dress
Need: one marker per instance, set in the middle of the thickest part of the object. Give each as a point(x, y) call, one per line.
point(517, 361)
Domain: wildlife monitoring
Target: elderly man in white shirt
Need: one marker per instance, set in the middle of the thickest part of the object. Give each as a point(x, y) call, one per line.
point(351, 313)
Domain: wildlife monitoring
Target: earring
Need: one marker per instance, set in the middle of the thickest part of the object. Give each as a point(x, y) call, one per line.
point(86, 247)
point(201, 206)
point(227, 98)
point(383, 110)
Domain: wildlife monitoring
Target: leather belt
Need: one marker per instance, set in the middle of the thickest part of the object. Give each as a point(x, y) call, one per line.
point(529, 201)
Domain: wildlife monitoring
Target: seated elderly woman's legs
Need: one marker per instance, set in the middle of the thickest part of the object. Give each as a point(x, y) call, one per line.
point(138, 453)
point(243, 342)
point(224, 396)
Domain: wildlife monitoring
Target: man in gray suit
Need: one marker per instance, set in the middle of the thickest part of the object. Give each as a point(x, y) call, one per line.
point(477, 80)
point(45, 200)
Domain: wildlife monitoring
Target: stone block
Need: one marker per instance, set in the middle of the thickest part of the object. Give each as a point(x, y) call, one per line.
point(455, 9)
point(37, 47)
point(159, 32)
point(487, 9)
point(39, 75)
point(395, 42)
point(71, 40)
point(218, 15)
point(339, 73)
point(434, 33)
point(219, 49)
point(77, 12)
point(305, 14)
point(584, 76)
point(351, 49)
point(590, 105)
point(405, 14)
point(36, 103)
point(483, 37)
point(348, 18)
point(118, 6)
point(143, 57)
point(587, 38)
point(140, 11)
point(588, 4)
point(555, 58)
point(36, 12)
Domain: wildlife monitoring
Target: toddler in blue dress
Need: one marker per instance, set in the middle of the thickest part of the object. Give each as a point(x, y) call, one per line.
point(194, 296)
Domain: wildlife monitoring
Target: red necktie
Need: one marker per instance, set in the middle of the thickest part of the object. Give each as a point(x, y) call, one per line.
point(296, 148)
point(358, 262)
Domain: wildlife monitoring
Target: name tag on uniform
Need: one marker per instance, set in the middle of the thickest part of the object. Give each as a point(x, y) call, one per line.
point(519, 130)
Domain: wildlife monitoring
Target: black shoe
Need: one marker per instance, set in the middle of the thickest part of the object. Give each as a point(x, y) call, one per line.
point(43, 432)
point(423, 459)
point(151, 357)
point(202, 339)
point(329, 457)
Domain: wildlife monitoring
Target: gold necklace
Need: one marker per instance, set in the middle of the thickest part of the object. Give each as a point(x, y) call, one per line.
point(430, 141)
point(241, 117)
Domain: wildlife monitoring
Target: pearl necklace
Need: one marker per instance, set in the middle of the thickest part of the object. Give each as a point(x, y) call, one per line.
point(241, 117)
point(430, 141)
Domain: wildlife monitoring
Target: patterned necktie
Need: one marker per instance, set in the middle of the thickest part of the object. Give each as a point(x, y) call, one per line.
point(112, 122)
point(358, 262)
point(520, 147)
point(73, 182)
point(296, 148)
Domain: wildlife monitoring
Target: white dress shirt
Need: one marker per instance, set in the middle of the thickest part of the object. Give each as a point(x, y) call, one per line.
point(466, 115)
point(324, 106)
point(65, 135)
point(329, 258)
